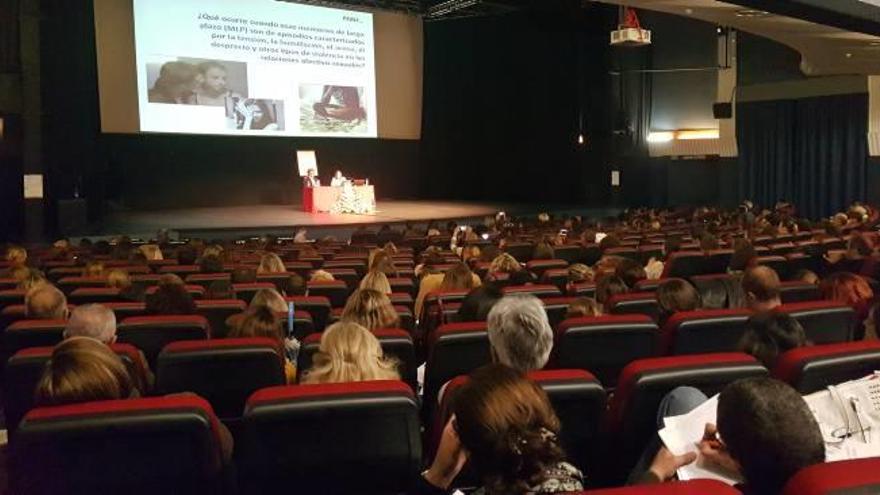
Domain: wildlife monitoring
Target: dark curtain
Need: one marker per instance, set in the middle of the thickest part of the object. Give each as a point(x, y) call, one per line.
point(813, 152)
point(10, 42)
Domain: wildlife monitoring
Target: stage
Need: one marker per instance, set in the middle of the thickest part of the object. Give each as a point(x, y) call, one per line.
point(236, 221)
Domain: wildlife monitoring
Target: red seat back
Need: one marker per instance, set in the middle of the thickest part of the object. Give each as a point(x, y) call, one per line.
point(854, 477)
point(809, 369)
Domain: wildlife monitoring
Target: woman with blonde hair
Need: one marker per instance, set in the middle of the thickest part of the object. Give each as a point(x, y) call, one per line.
point(94, 269)
point(271, 263)
point(264, 298)
point(350, 353)
point(504, 263)
point(370, 308)
point(377, 281)
point(81, 370)
point(16, 256)
point(321, 276)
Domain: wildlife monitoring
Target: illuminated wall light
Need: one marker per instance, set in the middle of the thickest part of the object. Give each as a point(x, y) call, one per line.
point(580, 138)
point(698, 134)
point(661, 136)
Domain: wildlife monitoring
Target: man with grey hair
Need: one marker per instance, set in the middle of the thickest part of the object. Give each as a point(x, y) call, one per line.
point(519, 332)
point(92, 320)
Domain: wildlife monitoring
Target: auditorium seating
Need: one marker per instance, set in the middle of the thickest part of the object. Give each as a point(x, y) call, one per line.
point(809, 369)
point(24, 369)
point(795, 292)
point(133, 446)
point(317, 306)
point(246, 292)
point(152, 333)
point(538, 267)
point(631, 419)
point(644, 303)
point(225, 372)
point(335, 290)
point(692, 487)
point(217, 311)
point(206, 279)
point(337, 438)
point(854, 477)
point(453, 349)
point(31, 333)
point(695, 332)
point(90, 295)
point(395, 342)
point(684, 264)
point(604, 344)
point(824, 322)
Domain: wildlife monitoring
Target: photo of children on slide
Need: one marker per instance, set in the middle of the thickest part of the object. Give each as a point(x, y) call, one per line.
point(194, 81)
point(258, 115)
point(337, 109)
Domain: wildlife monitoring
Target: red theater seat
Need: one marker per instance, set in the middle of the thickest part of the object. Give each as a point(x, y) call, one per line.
point(217, 311)
point(24, 369)
point(824, 322)
point(317, 306)
point(133, 446)
point(856, 477)
point(151, 333)
point(585, 289)
point(603, 345)
point(556, 308)
point(225, 372)
point(432, 311)
point(31, 333)
point(338, 438)
point(522, 251)
point(695, 332)
point(571, 253)
point(693, 487)
point(246, 292)
point(643, 303)
point(195, 291)
point(279, 280)
point(632, 414)
point(206, 279)
point(70, 284)
point(537, 290)
point(557, 277)
point(684, 264)
point(395, 342)
point(794, 292)
point(810, 369)
point(123, 310)
point(335, 290)
point(538, 267)
point(403, 285)
point(11, 297)
point(358, 265)
point(91, 295)
point(454, 349)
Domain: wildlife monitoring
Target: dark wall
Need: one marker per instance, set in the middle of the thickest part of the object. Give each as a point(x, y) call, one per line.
point(504, 97)
point(765, 61)
point(660, 182)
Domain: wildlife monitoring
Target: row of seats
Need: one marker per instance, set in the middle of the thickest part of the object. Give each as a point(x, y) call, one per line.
point(340, 438)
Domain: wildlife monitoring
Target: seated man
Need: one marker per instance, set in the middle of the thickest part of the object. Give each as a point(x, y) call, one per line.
point(45, 302)
point(765, 434)
point(761, 285)
point(338, 179)
point(94, 321)
point(519, 333)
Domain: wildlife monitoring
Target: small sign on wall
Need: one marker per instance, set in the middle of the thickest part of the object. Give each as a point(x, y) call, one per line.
point(615, 178)
point(33, 186)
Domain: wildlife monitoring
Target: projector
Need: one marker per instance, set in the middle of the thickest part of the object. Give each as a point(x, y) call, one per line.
point(631, 36)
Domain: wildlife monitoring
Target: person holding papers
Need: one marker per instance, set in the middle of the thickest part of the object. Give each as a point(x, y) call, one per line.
point(763, 435)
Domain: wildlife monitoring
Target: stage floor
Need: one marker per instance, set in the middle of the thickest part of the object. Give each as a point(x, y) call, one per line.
point(281, 219)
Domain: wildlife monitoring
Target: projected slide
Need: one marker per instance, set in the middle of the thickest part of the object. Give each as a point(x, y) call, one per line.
point(259, 67)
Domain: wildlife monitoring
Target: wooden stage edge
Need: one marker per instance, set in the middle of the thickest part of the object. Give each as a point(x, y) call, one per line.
point(281, 219)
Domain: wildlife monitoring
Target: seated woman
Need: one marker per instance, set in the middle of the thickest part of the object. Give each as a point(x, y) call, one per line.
point(271, 263)
point(853, 290)
point(459, 277)
point(370, 308)
point(770, 334)
point(376, 280)
point(676, 295)
point(512, 445)
point(350, 353)
point(504, 263)
point(477, 304)
point(583, 307)
point(83, 369)
point(171, 298)
point(262, 321)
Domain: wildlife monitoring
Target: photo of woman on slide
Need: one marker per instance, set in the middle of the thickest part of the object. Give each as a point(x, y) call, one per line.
point(328, 108)
point(251, 114)
point(193, 81)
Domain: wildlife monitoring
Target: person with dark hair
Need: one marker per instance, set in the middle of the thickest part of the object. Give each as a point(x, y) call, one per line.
point(186, 255)
point(170, 299)
point(609, 285)
point(211, 264)
point(543, 251)
point(770, 334)
point(295, 285)
point(214, 88)
point(765, 434)
point(477, 304)
point(713, 294)
point(676, 295)
point(761, 286)
point(520, 277)
point(175, 85)
point(512, 445)
point(743, 258)
point(631, 272)
point(244, 275)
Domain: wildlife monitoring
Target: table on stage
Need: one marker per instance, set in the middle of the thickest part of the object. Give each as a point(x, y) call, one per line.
point(321, 199)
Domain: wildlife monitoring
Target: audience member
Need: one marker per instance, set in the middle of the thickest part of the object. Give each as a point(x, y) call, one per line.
point(582, 307)
point(211, 264)
point(675, 295)
point(770, 334)
point(631, 272)
point(519, 332)
point(16, 256)
point(151, 252)
point(170, 298)
point(477, 304)
point(83, 369)
point(377, 281)
point(321, 276)
point(29, 278)
point(94, 321)
point(607, 286)
point(457, 278)
point(511, 444)
point(263, 321)
point(372, 309)
point(295, 285)
point(579, 273)
point(382, 262)
point(853, 290)
point(271, 263)
point(744, 256)
point(350, 353)
point(46, 302)
point(806, 276)
point(761, 287)
point(93, 269)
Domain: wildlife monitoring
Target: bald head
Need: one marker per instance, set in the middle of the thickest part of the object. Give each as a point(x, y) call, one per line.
point(761, 285)
point(46, 302)
point(92, 320)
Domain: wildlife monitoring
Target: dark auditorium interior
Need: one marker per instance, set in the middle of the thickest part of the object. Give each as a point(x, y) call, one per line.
point(423, 247)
